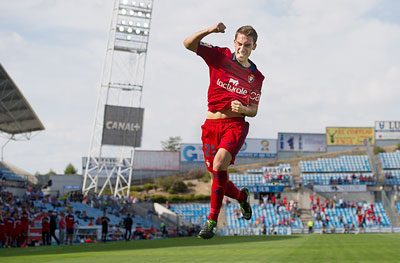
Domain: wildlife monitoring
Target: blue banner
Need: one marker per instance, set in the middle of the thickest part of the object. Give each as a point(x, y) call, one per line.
point(263, 188)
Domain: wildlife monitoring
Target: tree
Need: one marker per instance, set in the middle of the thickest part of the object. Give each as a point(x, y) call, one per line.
point(51, 172)
point(70, 169)
point(171, 144)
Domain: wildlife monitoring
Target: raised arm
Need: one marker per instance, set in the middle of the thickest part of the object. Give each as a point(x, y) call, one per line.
point(193, 41)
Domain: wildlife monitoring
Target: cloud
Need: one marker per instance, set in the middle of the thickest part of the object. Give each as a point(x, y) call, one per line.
point(327, 63)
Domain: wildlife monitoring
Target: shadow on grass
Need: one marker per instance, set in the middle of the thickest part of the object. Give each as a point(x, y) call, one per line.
point(138, 244)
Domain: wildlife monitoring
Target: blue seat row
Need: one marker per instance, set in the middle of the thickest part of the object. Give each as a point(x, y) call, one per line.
point(340, 178)
point(349, 217)
point(345, 163)
point(271, 217)
point(390, 160)
point(196, 214)
point(6, 174)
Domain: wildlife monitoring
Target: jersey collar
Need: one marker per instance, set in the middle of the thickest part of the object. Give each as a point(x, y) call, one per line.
point(252, 67)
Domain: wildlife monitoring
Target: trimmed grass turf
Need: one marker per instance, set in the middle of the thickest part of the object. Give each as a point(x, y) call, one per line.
point(295, 248)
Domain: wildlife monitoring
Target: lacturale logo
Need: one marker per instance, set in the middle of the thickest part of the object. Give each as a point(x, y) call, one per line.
point(232, 86)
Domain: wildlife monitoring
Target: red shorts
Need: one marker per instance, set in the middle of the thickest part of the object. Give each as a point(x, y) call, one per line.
point(228, 133)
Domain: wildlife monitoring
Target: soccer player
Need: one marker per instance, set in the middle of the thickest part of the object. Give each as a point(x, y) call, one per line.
point(46, 239)
point(17, 230)
point(2, 231)
point(25, 221)
point(69, 222)
point(9, 225)
point(234, 93)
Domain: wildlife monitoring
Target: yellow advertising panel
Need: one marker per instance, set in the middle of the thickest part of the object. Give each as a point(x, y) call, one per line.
point(349, 135)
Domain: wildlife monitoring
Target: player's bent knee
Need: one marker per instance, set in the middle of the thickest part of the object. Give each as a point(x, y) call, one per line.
point(222, 160)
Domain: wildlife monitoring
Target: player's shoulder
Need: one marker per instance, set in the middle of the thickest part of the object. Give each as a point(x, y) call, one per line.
point(256, 71)
point(258, 75)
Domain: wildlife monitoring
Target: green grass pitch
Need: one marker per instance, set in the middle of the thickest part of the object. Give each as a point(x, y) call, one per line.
point(295, 248)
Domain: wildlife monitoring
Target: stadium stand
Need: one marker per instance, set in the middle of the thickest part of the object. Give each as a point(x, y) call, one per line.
point(84, 213)
point(196, 214)
point(345, 163)
point(267, 214)
point(390, 163)
point(372, 215)
point(256, 179)
point(347, 169)
point(6, 174)
point(337, 178)
point(390, 160)
point(392, 177)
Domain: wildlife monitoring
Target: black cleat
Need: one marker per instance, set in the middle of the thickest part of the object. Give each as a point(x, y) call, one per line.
point(245, 205)
point(209, 230)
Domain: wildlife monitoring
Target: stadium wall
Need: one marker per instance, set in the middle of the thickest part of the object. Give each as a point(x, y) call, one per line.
point(289, 155)
point(64, 183)
point(383, 143)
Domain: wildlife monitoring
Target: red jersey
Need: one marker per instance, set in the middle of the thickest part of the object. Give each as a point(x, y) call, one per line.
point(45, 224)
point(25, 221)
point(9, 224)
point(69, 221)
point(17, 227)
point(2, 228)
point(229, 80)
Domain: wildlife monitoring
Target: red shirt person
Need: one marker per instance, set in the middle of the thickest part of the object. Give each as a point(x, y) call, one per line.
point(9, 226)
point(3, 238)
point(17, 229)
point(69, 223)
point(46, 229)
point(234, 93)
point(25, 220)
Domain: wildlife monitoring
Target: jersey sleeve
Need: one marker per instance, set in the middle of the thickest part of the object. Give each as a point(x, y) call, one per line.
point(211, 54)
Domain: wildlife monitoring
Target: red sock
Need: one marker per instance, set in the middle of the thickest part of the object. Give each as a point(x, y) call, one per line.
point(218, 186)
point(233, 192)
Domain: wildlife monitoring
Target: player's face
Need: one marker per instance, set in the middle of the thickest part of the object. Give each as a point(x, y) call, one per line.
point(243, 47)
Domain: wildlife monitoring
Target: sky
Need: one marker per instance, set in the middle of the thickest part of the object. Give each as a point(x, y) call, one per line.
point(327, 63)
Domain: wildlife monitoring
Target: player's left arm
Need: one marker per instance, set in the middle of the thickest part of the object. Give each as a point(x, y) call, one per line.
point(249, 111)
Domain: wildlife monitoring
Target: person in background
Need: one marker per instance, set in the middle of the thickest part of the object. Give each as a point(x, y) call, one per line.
point(104, 227)
point(61, 228)
point(70, 224)
point(17, 230)
point(46, 239)
point(128, 222)
point(53, 226)
point(25, 221)
point(2, 231)
point(9, 225)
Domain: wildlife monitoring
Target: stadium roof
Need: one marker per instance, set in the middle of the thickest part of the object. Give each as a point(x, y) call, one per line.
point(16, 115)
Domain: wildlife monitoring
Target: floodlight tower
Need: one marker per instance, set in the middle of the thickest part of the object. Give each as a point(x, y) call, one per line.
point(118, 122)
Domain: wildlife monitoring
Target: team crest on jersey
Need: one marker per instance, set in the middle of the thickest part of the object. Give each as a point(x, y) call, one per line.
point(251, 78)
point(206, 44)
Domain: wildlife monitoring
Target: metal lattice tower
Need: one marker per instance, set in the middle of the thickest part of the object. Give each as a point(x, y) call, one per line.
point(110, 166)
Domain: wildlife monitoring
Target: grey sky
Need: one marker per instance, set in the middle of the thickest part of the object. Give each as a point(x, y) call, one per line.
point(327, 63)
